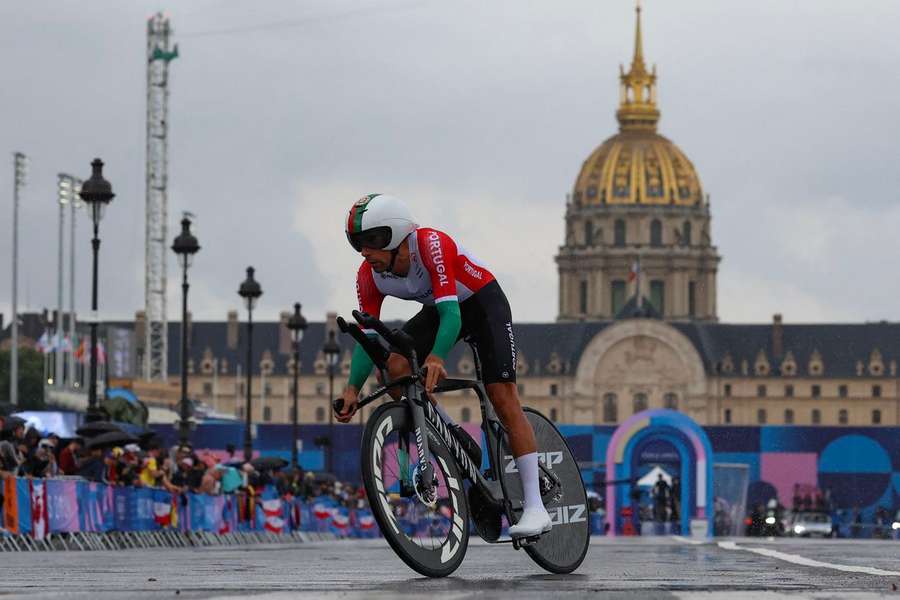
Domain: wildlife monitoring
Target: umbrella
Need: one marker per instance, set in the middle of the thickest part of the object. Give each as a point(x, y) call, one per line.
point(111, 438)
point(322, 476)
point(89, 430)
point(264, 463)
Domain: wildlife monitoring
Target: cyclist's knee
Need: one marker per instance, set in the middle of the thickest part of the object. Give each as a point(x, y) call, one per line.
point(397, 366)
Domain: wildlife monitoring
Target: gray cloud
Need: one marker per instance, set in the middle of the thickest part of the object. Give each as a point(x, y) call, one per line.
point(481, 114)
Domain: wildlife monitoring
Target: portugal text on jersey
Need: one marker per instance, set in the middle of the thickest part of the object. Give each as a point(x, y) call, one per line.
point(439, 270)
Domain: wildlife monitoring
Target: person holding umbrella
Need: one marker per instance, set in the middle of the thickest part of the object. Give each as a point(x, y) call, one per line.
point(93, 467)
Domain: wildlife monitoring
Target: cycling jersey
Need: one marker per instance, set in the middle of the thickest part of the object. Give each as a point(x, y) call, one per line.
point(440, 270)
point(460, 294)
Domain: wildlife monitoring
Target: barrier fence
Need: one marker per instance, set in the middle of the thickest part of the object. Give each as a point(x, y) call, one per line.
point(37, 508)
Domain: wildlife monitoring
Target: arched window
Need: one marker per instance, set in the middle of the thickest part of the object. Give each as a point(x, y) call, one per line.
point(816, 416)
point(686, 233)
point(761, 416)
point(655, 233)
point(788, 416)
point(843, 417)
point(619, 233)
point(320, 414)
point(588, 233)
point(553, 415)
point(639, 402)
point(267, 413)
point(466, 414)
point(670, 401)
point(610, 408)
point(876, 417)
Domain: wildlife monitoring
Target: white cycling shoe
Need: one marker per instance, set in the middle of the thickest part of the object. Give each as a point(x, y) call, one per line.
point(534, 521)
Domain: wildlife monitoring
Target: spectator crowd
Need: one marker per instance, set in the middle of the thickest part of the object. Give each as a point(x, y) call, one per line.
point(27, 452)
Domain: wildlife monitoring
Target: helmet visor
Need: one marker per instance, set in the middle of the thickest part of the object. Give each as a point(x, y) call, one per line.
point(376, 238)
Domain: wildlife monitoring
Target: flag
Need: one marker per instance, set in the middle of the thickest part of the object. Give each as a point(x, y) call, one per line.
point(66, 344)
point(84, 356)
point(274, 512)
point(39, 517)
point(366, 520)
point(635, 270)
point(10, 506)
point(43, 343)
point(62, 505)
point(227, 515)
point(340, 522)
point(162, 512)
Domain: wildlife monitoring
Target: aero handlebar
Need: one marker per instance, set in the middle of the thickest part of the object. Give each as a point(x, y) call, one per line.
point(375, 350)
point(397, 338)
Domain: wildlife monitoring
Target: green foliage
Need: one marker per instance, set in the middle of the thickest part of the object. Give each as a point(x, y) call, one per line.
point(31, 375)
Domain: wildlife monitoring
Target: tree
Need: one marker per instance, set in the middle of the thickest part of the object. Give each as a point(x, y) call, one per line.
point(31, 378)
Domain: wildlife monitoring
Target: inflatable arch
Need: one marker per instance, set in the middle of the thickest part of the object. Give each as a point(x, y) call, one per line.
point(695, 455)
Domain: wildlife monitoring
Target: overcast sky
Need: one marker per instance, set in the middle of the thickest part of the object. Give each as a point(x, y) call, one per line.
point(479, 114)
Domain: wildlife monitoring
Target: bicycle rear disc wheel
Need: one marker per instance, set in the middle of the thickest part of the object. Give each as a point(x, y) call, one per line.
point(563, 548)
point(431, 540)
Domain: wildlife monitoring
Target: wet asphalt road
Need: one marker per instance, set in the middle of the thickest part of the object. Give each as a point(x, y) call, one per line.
point(625, 568)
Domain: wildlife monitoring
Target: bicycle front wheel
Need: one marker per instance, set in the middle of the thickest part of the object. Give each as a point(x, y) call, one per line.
point(429, 534)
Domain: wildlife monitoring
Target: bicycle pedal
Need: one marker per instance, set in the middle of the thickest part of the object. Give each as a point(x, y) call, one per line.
point(525, 541)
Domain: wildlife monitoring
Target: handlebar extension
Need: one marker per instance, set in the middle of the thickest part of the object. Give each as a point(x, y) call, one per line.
point(397, 338)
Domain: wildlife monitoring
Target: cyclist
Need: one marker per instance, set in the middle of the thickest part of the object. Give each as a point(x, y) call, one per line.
point(461, 298)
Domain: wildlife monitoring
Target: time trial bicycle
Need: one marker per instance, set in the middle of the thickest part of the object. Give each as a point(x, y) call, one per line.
point(424, 479)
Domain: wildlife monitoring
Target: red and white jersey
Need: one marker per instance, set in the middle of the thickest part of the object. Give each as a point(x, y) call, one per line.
point(440, 270)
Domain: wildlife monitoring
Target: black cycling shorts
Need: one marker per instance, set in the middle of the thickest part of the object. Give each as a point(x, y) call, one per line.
point(486, 321)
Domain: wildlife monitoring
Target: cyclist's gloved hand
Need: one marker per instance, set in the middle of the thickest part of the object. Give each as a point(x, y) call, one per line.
point(435, 371)
point(348, 402)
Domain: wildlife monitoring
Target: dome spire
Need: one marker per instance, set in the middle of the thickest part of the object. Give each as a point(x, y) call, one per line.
point(638, 40)
point(637, 101)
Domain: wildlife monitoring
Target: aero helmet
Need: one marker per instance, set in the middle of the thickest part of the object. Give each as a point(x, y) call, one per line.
point(378, 221)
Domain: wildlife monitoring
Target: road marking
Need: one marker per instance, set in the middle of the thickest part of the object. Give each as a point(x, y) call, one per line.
point(685, 540)
point(808, 562)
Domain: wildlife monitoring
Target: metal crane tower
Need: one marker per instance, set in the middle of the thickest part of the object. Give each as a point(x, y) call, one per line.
point(159, 55)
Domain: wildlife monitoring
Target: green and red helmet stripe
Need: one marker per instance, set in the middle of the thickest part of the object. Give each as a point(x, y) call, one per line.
point(354, 221)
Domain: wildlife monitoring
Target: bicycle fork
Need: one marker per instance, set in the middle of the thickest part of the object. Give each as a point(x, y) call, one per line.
point(424, 481)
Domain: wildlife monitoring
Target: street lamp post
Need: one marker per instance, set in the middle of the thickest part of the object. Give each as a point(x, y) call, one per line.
point(297, 325)
point(185, 246)
point(69, 187)
point(332, 353)
point(64, 197)
point(250, 291)
point(96, 193)
point(19, 167)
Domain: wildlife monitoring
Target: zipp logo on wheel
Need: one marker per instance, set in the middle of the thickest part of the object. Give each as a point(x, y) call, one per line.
point(563, 515)
point(548, 458)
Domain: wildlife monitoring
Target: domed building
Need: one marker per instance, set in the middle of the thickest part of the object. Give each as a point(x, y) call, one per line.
point(637, 221)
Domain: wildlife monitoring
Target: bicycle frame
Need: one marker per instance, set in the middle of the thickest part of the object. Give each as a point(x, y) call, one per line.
point(425, 415)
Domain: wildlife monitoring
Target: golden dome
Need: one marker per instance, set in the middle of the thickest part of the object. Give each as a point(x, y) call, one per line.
point(637, 165)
